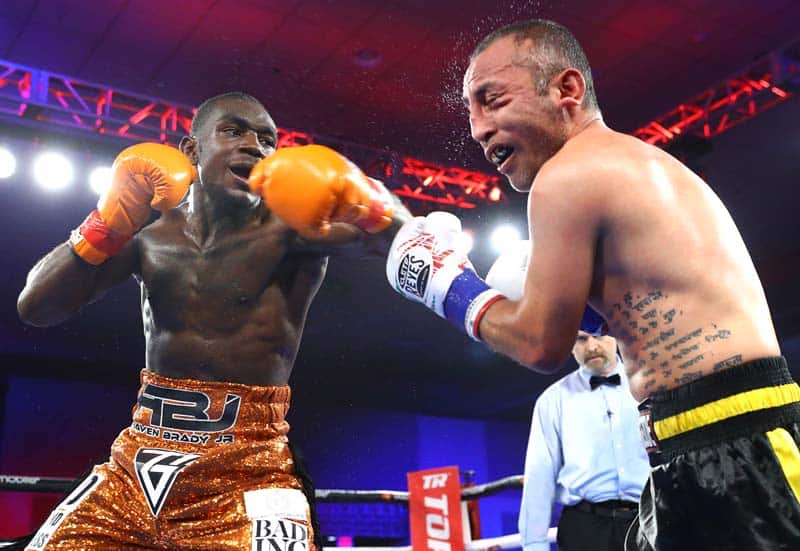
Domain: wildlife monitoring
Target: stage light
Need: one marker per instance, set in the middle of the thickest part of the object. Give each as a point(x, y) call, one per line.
point(52, 171)
point(100, 179)
point(8, 164)
point(503, 237)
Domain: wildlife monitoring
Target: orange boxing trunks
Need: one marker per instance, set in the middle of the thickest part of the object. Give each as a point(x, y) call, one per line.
point(203, 466)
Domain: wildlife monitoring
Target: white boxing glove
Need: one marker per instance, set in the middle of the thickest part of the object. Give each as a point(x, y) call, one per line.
point(427, 263)
point(507, 274)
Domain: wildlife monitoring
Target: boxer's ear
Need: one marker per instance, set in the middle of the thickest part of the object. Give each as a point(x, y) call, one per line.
point(189, 147)
point(569, 87)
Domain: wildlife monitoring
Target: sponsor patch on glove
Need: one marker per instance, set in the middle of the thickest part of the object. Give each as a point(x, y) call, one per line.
point(414, 271)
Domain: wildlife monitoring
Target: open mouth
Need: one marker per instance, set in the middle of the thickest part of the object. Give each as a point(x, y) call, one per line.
point(498, 155)
point(241, 173)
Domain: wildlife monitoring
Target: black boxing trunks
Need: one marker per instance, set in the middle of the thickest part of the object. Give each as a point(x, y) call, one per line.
point(203, 466)
point(726, 465)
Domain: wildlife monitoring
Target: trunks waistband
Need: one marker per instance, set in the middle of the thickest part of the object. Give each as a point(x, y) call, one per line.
point(746, 398)
point(189, 410)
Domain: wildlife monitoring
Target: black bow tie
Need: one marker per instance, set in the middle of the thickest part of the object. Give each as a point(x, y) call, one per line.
point(596, 380)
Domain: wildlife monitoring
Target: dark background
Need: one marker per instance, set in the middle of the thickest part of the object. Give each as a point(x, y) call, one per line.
point(377, 377)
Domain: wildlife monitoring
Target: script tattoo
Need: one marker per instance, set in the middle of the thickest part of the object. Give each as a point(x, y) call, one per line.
point(728, 362)
point(688, 377)
point(685, 339)
point(646, 322)
point(721, 334)
point(662, 336)
point(637, 316)
point(691, 362)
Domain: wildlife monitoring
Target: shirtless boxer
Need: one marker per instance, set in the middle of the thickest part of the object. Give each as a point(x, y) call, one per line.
point(627, 228)
point(225, 286)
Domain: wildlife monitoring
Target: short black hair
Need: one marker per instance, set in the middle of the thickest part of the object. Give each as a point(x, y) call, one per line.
point(561, 50)
point(205, 108)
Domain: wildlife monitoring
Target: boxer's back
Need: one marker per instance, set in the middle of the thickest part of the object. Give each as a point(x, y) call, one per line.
point(673, 275)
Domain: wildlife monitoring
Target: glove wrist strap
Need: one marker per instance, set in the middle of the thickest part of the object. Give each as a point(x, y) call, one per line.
point(379, 214)
point(477, 309)
point(94, 241)
point(467, 301)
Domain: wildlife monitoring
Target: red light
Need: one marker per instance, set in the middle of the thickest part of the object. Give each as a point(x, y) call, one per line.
point(778, 92)
point(495, 194)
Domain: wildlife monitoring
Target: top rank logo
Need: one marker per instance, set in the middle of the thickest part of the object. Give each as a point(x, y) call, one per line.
point(438, 480)
point(414, 271)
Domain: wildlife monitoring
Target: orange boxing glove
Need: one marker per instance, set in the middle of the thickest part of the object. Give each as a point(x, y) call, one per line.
point(143, 176)
point(312, 186)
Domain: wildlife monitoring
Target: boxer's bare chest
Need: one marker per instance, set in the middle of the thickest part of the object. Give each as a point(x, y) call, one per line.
point(222, 279)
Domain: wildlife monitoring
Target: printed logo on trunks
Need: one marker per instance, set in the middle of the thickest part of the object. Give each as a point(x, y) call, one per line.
point(186, 410)
point(156, 470)
point(646, 429)
point(63, 510)
point(279, 534)
point(277, 514)
point(414, 270)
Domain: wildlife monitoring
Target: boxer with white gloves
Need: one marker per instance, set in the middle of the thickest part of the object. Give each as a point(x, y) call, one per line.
point(426, 265)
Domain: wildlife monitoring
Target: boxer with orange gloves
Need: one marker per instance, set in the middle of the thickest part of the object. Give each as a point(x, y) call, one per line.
point(206, 463)
point(312, 186)
point(143, 176)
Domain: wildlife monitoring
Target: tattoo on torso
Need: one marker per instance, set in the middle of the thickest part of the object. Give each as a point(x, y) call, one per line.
point(664, 356)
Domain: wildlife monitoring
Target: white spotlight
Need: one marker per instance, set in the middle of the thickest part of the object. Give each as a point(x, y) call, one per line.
point(465, 241)
point(52, 171)
point(503, 237)
point(100, 179)
point(8, 164)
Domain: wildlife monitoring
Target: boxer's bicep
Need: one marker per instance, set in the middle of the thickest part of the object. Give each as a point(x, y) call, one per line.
point(563, 233)
point(117, 268)
point(539, 330)
point(61, 283)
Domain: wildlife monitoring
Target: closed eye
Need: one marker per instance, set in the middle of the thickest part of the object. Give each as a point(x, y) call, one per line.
point(495, 102)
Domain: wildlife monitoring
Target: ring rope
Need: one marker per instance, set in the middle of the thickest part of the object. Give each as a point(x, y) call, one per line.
point(43, 484)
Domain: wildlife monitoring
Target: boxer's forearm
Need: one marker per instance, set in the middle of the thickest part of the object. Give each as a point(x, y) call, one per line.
point(505, 331)
point(56, 288)
point(380, 242)
point(347, 240)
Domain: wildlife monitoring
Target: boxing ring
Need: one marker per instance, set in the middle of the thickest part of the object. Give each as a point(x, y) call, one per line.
point(471, 493)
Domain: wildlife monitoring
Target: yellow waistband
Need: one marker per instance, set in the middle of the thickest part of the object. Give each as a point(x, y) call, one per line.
point(725, 408)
